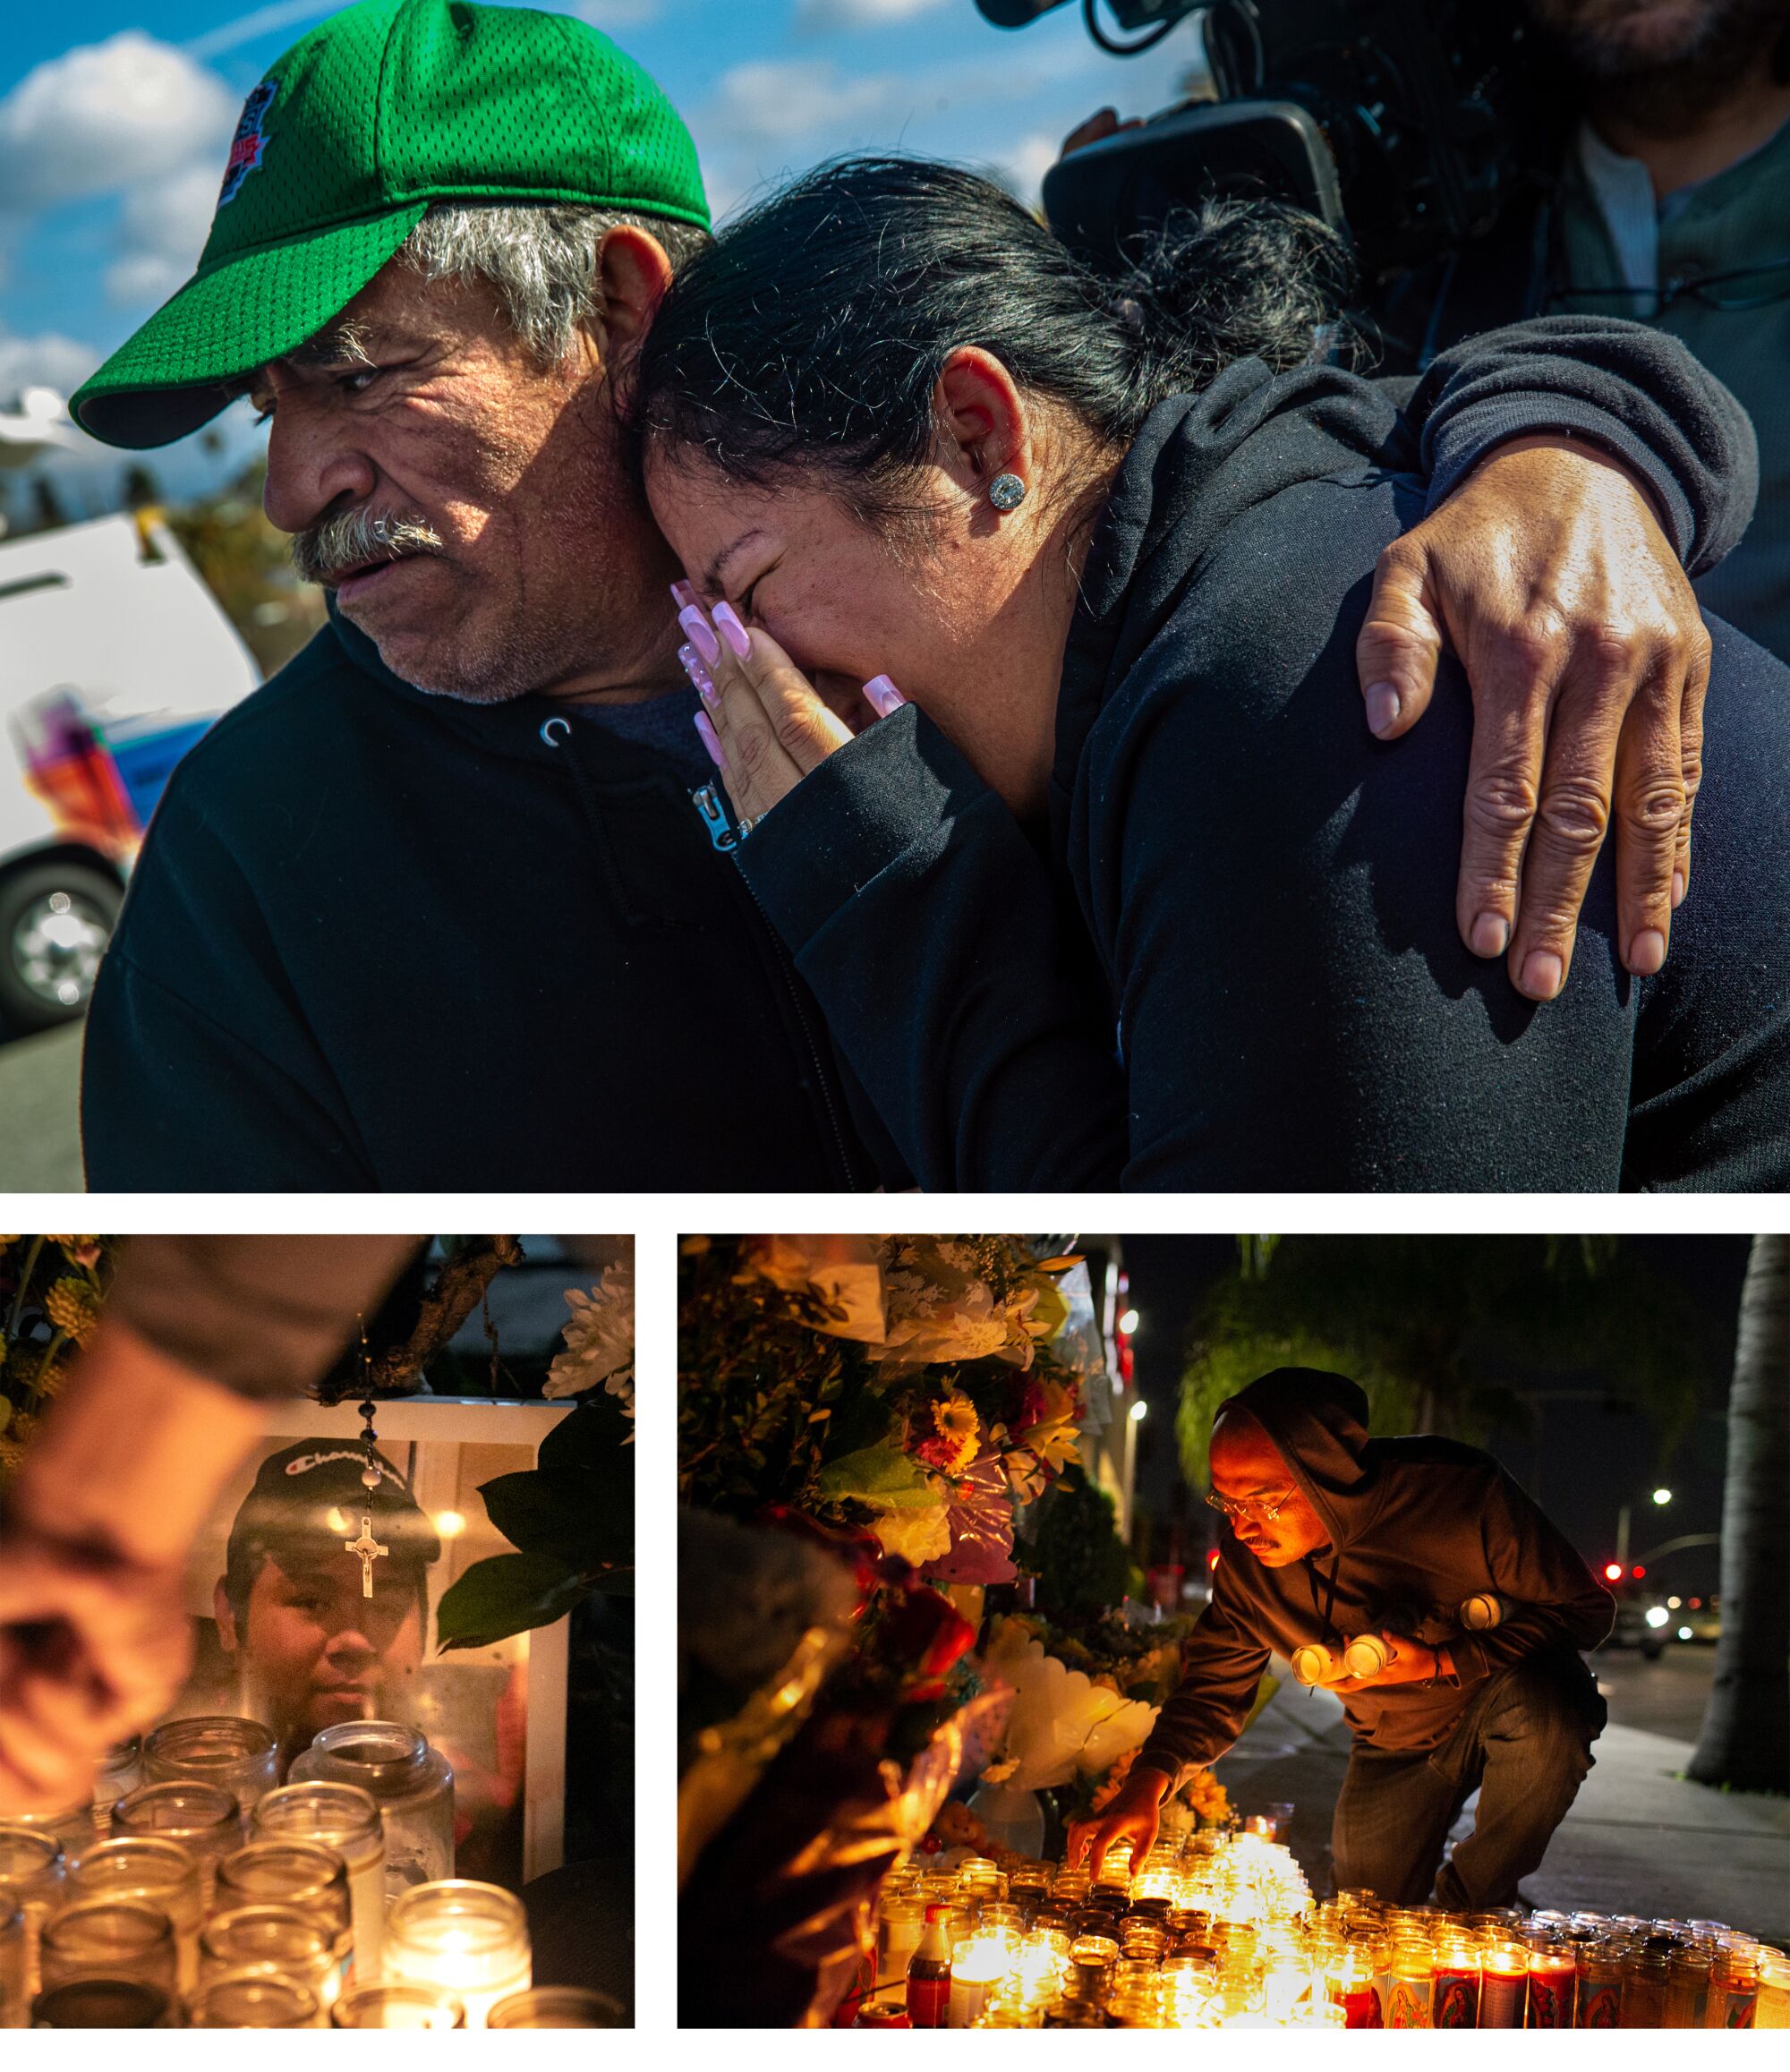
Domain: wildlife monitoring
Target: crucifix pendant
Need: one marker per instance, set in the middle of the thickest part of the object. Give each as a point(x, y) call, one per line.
point(368, 1549)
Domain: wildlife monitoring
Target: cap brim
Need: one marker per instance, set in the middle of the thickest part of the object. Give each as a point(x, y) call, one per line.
point(174, 373)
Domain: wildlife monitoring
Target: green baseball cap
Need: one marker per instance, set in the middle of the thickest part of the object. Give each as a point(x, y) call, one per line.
point(382, 110)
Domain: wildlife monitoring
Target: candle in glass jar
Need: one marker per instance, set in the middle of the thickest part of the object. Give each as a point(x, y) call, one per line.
point(204, 1819)
point(1504, 1987)
point(346, 1819)
point(109, 1939)
point(396, 2007)
point(13, 2000)
point(977, 1966)
point(558, 2007)
point(240, 1756)
point(469, 1938)
point(148, 1867)
point(31, 1874)
point(256, 1997)
point(1553, 1987)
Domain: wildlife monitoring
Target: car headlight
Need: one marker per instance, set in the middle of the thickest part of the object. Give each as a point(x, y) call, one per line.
point(1657, 1615)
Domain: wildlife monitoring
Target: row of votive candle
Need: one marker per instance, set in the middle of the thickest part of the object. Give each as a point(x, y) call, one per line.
point(1220, 1931)
point(268, 1910)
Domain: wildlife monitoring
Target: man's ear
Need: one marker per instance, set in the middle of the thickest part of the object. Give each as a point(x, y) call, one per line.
point(224, 1613)
point(983, 429)
point(633, 274)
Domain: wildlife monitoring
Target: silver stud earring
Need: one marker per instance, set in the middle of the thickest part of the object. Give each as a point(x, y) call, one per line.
point(1006, 492)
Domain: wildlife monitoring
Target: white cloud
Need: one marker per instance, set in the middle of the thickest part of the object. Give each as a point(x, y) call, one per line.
point(816, 17)
point(259, 22)
point(1024, 164)
point(106, 114)
point(774, 101)
point(607, 14)
point(162, 228)
point(48, 361)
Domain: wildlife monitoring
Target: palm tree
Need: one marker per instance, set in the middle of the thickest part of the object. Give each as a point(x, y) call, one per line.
point(1431, 1326)
point(1746, 1739)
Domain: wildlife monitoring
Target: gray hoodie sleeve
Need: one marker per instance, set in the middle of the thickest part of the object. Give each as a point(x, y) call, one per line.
point(1221, 1666)
point(263, 1316)
point(1557, 1601)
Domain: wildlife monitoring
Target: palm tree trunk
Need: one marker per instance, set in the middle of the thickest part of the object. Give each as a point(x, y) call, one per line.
point(1746, 1740)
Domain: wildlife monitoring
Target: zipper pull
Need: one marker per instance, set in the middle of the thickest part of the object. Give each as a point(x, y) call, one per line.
point(721, 833)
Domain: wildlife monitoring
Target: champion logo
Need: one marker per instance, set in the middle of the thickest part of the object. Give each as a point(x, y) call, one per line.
point(247, 145)
point(304, 1463)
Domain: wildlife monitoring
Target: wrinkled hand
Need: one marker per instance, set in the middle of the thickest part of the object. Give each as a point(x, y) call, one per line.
point(92, 1650)
point(1133, 1816)
point(1549, 577)
point(1412, 1662)
point(765, 726)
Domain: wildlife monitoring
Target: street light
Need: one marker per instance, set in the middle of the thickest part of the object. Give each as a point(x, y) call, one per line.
point(1140, 1411)
point(1128, 1322)
point(1662, 1495)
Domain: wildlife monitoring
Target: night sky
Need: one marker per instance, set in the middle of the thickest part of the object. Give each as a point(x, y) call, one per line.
point(1588, 1461)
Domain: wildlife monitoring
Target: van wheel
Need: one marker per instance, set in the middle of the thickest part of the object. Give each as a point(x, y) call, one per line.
point(56, 921)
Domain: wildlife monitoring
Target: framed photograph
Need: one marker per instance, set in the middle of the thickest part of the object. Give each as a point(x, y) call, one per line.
point(313, 1599)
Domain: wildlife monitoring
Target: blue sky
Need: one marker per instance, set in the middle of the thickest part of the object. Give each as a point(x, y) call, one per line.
point(115, 120)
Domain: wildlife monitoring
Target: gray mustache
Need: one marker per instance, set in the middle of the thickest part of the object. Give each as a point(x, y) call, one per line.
point(322, 553)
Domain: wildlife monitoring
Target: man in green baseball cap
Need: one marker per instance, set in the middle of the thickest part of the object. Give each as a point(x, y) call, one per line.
point(432, 909)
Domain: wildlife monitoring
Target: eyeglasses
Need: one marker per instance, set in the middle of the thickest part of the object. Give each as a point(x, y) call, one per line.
point(1265, 1510)
point(1716, 291)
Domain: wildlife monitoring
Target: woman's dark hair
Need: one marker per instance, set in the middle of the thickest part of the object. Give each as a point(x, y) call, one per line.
point(811, 334)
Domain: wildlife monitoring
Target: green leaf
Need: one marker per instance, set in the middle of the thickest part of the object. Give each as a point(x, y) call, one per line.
point(864, 1422)
point(880, 1474)
point(509, 1593)
point(575, 1519)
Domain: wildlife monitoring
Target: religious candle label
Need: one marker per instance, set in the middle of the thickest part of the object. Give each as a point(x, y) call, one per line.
point(1457, 2000)
point(1550, 1998)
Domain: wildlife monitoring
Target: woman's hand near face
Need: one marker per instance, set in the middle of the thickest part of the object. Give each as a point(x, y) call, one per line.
point(763, 721)
point(1587, 658)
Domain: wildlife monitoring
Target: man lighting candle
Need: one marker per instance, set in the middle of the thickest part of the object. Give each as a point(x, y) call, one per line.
point(1350, 1536)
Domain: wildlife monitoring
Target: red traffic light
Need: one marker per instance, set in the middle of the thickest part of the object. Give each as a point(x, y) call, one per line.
point(1613, 1571)
point(1637, 1573)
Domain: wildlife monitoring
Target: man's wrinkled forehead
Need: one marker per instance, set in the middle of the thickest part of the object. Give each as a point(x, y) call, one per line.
point(1241, 1447)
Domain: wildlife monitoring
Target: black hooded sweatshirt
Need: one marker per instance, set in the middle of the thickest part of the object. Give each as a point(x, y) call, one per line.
point(377, 939)
point(1417, 1526)
point(1239, 967)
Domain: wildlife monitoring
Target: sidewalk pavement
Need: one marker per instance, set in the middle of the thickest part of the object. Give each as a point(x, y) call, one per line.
point(1638, 1840)
point(40, 1112)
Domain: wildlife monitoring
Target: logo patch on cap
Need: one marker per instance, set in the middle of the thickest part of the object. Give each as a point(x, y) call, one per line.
point(246, 146)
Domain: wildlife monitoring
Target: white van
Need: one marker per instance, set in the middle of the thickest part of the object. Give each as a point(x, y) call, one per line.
point(114, 658)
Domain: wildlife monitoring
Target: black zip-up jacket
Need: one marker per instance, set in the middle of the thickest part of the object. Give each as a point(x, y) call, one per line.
point(1250, 901)
point(1417, 1526)
point(377, 939)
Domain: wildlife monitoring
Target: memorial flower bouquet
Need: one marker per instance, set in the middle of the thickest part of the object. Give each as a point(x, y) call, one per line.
point(52, 1290)
point(918, 1388)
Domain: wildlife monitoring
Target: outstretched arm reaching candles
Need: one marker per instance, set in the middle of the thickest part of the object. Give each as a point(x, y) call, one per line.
point(158, 1413)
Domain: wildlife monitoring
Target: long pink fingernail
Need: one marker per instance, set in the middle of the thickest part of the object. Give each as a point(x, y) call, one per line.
point(884, 697)
point(702, 634)
point(709, 741)
point(684, 596)
point(732, 631)
point(697, 673)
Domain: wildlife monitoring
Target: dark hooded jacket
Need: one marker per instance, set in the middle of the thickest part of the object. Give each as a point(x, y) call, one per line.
point(1417, 1526)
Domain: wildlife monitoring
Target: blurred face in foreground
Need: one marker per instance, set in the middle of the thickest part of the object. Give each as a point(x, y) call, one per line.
point(1248, 1472)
